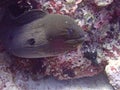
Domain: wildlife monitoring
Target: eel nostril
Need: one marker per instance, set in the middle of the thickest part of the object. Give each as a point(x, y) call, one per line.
point(31, 41)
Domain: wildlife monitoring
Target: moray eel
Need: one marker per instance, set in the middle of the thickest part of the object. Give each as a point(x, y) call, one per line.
point(36, 34)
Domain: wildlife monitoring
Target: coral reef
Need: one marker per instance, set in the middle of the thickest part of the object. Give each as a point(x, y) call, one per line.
point(100, 20)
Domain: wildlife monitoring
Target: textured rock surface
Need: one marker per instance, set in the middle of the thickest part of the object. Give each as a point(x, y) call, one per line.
point(70, 66)
point(103, 2)
point(113, 73)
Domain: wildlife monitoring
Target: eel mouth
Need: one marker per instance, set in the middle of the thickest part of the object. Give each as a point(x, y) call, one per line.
point(75, 41)
point(45, 50)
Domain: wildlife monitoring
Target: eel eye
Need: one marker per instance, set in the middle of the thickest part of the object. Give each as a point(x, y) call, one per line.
point(31, 41)
point(70, 31)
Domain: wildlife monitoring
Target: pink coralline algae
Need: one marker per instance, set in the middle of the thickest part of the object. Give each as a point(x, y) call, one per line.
point(70, 66)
